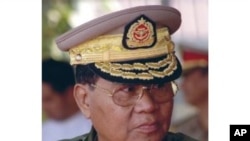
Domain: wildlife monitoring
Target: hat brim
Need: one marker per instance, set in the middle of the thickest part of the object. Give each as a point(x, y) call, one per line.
point(165, 69)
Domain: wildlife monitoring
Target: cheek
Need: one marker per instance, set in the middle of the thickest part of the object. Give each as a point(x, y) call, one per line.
point(100, 107)
point(104, 113)
point(166, 114)
point(100, 112)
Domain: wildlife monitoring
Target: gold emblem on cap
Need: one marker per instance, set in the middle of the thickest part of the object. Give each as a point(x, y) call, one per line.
point(141, 33)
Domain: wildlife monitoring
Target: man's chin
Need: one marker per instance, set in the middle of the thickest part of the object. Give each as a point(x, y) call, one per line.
point(150, 136)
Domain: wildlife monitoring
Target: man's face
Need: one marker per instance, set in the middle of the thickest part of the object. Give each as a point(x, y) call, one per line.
point(195, 86)
point(52, 102)
point(146, 120)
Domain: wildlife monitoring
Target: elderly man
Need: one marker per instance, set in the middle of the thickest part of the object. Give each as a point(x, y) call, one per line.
point(125, 71)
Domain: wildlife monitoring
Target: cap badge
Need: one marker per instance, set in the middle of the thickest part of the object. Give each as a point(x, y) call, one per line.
point(140, 33)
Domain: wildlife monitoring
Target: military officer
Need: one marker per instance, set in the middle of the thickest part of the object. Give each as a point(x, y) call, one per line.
point(125, 71)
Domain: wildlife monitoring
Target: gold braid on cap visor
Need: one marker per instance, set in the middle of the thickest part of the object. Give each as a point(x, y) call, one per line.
point(108, 48)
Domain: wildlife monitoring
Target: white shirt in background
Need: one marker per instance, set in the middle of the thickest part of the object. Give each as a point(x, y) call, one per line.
point(77, 124)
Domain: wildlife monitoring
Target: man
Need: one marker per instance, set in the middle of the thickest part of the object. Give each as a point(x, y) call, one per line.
point(195, 90)
point(125, 71)
point(64, 120)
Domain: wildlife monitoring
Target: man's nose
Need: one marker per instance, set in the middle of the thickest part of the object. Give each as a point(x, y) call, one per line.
point(145, 101)
point(141, 93)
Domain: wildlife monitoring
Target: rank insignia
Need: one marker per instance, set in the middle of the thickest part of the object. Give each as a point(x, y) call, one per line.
point(140, 33)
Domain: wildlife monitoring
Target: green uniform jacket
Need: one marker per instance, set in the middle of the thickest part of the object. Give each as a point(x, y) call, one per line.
point(169, 137)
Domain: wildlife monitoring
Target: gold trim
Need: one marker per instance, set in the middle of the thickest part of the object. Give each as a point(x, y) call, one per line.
point(149, 70)
point(108, 48)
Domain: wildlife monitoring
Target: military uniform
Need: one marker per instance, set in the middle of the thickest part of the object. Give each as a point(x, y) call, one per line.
point(192, 127)
point(92, 136)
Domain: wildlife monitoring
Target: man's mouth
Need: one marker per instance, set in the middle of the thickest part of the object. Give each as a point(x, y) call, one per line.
point(148, 127)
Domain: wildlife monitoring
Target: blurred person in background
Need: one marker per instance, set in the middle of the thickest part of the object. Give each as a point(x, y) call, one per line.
point(194, 85)
point(63, 118)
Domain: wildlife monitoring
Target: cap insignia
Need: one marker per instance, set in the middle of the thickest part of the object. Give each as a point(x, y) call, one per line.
point(140, 33)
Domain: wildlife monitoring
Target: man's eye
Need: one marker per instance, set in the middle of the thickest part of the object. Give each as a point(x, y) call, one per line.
point(157, 86)
point(129, 89)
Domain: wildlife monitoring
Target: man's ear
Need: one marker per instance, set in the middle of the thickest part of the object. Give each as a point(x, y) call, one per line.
point(82, 98)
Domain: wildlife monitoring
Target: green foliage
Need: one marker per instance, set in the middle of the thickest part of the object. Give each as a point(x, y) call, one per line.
point(55, 21)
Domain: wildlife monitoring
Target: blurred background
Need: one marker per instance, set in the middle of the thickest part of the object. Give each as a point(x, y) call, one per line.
point(58, 16)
